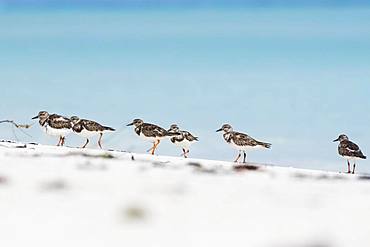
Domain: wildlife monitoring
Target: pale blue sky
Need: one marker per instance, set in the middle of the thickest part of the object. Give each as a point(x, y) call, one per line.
point(296, 77)
point(151, 3)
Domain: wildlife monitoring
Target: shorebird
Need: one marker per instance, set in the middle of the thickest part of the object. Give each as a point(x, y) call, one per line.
point(349, 151)
point(88, 128)
point(182, 138)
point(55, 125)
point(150, 132)
point(241, 142)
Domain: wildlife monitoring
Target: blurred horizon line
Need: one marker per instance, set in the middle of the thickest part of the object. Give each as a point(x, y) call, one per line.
point(4, 4)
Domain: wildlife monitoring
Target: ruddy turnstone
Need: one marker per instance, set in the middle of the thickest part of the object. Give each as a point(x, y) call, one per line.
point(55, 125)
point(241, 142)
point(150, 132)
point(349, 151)
point(182, 138)
point(88, 128)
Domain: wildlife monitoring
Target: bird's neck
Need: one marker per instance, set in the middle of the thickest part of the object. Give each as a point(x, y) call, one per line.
point(138, 129)
point(227, 136)
point(42, 121)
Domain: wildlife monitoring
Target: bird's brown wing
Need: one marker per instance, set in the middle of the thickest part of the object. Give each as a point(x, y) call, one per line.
point(348, 148)
point(241, 139)
point(59, 122)
point(177, 138)
point(152, 130)
point(77, 127)
point(189, 136)
point(92, 125)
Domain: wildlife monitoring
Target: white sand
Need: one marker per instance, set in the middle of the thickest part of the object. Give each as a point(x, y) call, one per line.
point(51, 196)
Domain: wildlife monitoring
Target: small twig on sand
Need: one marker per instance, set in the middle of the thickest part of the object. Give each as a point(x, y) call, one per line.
point(18, 126)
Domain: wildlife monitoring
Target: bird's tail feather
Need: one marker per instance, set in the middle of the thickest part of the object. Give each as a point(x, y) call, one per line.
point(108, 128)
point(264, 144)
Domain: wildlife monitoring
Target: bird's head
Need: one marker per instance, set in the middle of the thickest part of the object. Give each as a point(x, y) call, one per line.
point(341, 138)
point(225, 128)
point(136, 122)
point(42, 115)
point(75, 119)
point(174, 130)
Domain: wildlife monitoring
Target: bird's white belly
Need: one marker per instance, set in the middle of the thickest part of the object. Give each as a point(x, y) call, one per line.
point(151, 139)
point(184, 144)
point(56, 132)
point(85, 133)
point(245, 148)
point(351, 158)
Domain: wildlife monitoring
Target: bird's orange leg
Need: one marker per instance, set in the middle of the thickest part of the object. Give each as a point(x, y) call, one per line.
point(354, 167)
point(238, 157)
point(99, 142)
point(151, 149)
point(245, 157)
point(185, 152)
point(155, 146)
point(60, 141)
point(63, 140)
point(349, 166)
point(87, 141)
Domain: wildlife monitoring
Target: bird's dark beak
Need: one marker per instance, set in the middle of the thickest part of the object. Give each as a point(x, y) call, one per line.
point(130, 124)
point(219, 130)
point(336, 140)
point(35, 117)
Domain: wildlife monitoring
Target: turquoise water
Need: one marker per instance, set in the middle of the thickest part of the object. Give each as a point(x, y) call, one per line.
point(296, 77)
